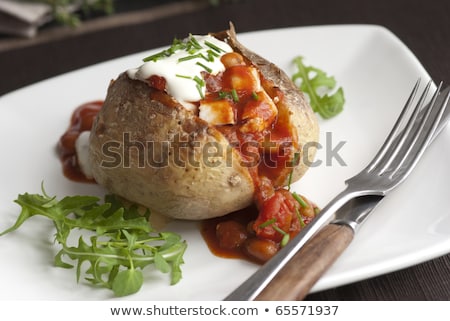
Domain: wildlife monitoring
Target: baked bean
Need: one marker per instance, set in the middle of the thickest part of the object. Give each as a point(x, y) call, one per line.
point(232, 59)
point(230, 234)
point(260, 249)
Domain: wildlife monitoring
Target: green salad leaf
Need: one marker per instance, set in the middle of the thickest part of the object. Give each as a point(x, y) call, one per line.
point(121, 242)
point(315, 83)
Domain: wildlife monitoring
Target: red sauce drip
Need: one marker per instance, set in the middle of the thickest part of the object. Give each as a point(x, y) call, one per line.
point(233, 235)
point(209, 232)
point(82, 120)
point(263, 136)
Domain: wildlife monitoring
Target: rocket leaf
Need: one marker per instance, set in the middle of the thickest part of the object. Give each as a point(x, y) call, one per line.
point(121, 241)
point(315, 83)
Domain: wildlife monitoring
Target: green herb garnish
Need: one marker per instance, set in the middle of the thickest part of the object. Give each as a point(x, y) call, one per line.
point(271, 223)
point(286, 236)
point(212, 55)
point(210, 58)
point(214, 47)
point(183, 76)
point(267, 223)
point(200, 91)
point(177, 44)
point(199, 81)
point(190, 45)
point(234, 95)
point(311, 80)
point(299, 217)
point(121, 244)
point(190, 57)
point(223, 94)
point(299, 199)
point(207, 69)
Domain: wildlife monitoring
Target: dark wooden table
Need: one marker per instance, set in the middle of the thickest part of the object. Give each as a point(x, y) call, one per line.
point(424, 26)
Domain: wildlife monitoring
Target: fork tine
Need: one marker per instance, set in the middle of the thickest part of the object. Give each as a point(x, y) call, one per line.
point(392, 135)
point(399, 144)
point(422, 138)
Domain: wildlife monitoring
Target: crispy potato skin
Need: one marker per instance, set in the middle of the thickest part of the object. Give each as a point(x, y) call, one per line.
point(184, 185)
point(149, 149)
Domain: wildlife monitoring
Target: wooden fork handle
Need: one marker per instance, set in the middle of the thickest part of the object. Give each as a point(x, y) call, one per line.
point(299, 275)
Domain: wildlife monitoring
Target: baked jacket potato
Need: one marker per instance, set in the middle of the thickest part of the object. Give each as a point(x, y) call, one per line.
point(152, 149)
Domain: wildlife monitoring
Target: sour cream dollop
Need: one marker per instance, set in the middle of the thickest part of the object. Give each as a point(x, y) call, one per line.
point(183, 67)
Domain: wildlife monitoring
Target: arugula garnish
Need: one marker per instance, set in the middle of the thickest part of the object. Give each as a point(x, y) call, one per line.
point(121, 244)
point(311, 81)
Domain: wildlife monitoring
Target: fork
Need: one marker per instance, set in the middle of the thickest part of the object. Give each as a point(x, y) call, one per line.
point(288, 275)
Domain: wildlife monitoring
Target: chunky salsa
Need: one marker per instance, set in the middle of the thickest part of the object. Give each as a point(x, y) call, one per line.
point(268, 144)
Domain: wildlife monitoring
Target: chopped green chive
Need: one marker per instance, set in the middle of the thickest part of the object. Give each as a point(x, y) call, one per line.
point(267, 223)
point(255, 96)
point(214, 47)
point(200, 85)
point(300, 200)
point(183, 76)
point(279, 230)
point(194, 42)
point(234, 95)
point(212, 54)
point(204, 67)
point(199, 81)
point(210, 57)
point(156, 56)
point(286, 236)
point(285, 240)
point(199, 89)
point(222, 94)
point(300, 219)
point(189, 57)
point(271, 222)
point(177, 44)
point(191, 46)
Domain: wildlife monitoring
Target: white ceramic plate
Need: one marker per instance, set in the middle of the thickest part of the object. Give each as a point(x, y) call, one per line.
point(377, 72)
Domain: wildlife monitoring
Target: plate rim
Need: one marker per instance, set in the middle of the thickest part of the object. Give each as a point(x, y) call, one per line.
point(373, 27)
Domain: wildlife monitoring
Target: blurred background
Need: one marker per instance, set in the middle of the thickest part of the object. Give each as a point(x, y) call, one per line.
point(56, 36)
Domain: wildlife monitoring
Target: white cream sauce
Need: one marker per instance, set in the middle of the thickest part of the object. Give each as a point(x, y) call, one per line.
point(182, 75)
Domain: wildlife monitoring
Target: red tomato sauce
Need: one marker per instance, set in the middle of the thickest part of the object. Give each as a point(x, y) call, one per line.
point(234, 236)
point(268, 144)
point(82, 120)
